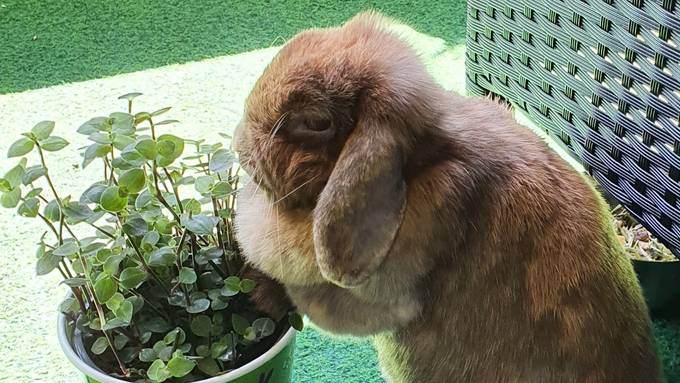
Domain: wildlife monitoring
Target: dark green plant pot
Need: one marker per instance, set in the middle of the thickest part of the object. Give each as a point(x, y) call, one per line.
point(274, 366)
point(660, 282)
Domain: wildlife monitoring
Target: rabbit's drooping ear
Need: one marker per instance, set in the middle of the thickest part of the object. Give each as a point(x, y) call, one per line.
point(361, 207)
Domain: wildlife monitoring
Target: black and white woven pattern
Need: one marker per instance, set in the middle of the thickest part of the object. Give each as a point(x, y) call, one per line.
point(600, 76)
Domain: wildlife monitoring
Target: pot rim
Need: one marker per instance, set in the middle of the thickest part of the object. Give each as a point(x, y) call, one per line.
point(656, 262)
point(88, 370)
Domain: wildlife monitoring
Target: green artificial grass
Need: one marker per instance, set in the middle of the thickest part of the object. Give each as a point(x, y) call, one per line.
point(61, 41)
point(322, 359)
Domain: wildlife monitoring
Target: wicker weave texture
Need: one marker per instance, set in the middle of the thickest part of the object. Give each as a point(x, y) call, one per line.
point(600, 76)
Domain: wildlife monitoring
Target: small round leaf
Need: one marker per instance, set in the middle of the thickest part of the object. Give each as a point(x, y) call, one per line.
point(113, 200)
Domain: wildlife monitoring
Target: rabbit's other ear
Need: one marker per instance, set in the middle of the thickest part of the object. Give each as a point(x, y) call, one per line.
point(360, 210)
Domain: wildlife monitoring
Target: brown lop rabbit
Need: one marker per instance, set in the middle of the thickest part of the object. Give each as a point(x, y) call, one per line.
point(389, 207)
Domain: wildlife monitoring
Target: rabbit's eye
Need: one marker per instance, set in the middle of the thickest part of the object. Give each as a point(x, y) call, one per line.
point(311, 129)
point(319, 126)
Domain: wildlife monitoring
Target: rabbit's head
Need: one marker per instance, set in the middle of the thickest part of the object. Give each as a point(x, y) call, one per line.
point(330, 127)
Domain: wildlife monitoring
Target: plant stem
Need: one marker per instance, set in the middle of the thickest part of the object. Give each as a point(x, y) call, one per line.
point(106, 233)
point(220, 240)
point(179, 265)
point(51, 226)
point(146, 265)
point(159, 194)
point(174, 190)
point(100, 313)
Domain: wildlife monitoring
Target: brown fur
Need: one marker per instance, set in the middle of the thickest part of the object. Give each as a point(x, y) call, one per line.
point(434, 223)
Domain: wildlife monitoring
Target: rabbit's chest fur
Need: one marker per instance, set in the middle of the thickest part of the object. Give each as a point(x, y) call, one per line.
point(281, 245)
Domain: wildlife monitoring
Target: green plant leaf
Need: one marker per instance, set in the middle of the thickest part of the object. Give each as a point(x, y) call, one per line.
point(165, 148)
point(20, 147)
point(295, 321)
point(77, 211)
point(114, 323)
point(43, 129)
point(122, 123)
point(143, 199)
point(99, 346)
point(177, 148)
point(222, 345)
point(113, 200)
point(69, 306)
point(119, 341)
point(187, 275)
point(192, 206)
point(115, 301)
point(105, 287)
point(95, 124)
point(5, 185)
point(246, 285)
point(74, 282)
point(129, 96)
point(137, 303)
point(94, 151)
point(219, 303)
point(93, 193)
point(34, 193)
point(233, 283)
point(47, 261)
point(133, 180)
point(263, 327)
point(11, 198)
point(201, 325)
point(177, 335)
point(15, 175)
point(165, 256)
point(166, 122)
point(147, 355)
point(201, 224)
point(121, 142)
point(151, 238)
point(198, 306)
point(209, 367)
point(158, 372)
point(124, 312)
point(29, 208)
point(204, 184)
point(221, 161)
point(180, 366)
point(135, 227)
point(147, 148)
point(53, 144)
point(221, 189)
point(67, 249)
point(103, 138)
point(239, 324)
point(141, 117)
point(33, 173)
point(160, 111)
point(132, 277)
point(156, 324)
point(52, 212)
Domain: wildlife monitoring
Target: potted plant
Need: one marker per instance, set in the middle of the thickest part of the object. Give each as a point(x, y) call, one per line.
point(656, 267)
point(157, 291)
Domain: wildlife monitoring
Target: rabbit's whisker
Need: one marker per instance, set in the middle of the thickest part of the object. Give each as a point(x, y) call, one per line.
point(294, 190)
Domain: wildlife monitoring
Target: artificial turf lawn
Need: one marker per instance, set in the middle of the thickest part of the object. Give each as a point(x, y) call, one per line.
point(61, 41)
